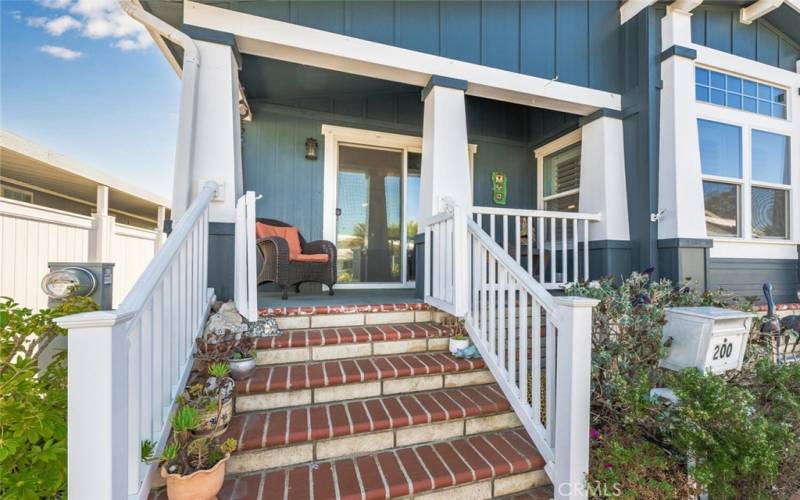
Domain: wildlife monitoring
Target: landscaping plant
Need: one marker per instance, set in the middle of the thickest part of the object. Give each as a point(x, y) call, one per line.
point(33, 401)
point(737, 434)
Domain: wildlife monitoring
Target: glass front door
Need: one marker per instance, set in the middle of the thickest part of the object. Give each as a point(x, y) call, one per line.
point(369, 215)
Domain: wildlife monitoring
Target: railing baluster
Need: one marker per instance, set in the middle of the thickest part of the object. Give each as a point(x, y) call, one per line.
point(523, 344)
point(564, 250)
point(491, 227)
point(492, 303)
point(586, 250)
point(134, 403)
point(550, 379)
point(505, 233)
point(512, 332)
point(502, 286)
point(475, 278)
point(428, 251)
point(536, 362)
point(575, 271)
point(484, 283)
point(530, 245)
point(540, 240)
point(552, 251)
point(517, 241)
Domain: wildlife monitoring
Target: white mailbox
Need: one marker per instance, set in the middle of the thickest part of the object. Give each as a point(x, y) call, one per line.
point(706, 338)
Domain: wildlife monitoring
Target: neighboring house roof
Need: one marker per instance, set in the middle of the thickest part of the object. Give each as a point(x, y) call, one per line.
point(26, 163)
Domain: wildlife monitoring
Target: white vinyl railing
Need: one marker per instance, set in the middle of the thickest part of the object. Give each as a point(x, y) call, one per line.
point(537, 346)
point(552, 246)
point(127, 366)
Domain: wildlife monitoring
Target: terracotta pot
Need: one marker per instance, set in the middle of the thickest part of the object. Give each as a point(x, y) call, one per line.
point(456, 345)
point(208, 419)
point(200, 485)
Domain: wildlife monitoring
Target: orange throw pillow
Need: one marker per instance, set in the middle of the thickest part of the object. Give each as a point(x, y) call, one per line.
point(290, 234)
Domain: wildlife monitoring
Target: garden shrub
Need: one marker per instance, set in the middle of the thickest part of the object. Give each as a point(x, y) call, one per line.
point(33, 404)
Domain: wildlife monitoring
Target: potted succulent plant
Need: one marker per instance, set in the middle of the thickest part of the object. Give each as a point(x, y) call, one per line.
point(213, 400)
point(193, 467)
point(243, 363)
point(459, 339)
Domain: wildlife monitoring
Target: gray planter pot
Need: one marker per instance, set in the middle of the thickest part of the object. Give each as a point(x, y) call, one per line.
point(242, 368)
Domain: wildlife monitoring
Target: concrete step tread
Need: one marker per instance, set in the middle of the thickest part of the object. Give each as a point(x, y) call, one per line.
point(538, 493)
point(330, 420)
point(309, 375)
point(353, 335)
point(397, 472)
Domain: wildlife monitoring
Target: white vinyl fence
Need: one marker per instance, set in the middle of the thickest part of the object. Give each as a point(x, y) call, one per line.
point(32, 235)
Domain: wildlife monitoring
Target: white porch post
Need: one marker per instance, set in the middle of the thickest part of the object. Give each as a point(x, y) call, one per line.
point(680, 184)
point(161, 237)
point(603, 186)
point(573, 372)
point(216, 154)
point(102, 229)
point(445, 150)
point(97, 406)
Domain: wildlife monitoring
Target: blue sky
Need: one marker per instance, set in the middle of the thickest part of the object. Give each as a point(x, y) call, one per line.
point(82, 79)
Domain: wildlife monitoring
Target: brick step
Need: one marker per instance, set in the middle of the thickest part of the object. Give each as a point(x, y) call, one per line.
point(320, 344)
point(480, 466)
point(292, 436)
point(298, 384)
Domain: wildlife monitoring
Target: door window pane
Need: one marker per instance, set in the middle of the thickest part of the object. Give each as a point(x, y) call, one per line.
point(770, 157)
point(720, 149)
point(722, 208)
point(769, 213)
point(368, 228)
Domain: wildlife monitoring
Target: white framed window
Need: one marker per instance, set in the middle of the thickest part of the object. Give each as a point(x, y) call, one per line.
point(14, 193)
point(558, 173)
point(747, 179)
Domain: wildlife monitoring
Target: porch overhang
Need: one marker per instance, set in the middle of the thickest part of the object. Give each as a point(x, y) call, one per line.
point(289, 42)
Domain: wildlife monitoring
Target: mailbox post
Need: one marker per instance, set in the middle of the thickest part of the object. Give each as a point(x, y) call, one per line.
point(710, 339)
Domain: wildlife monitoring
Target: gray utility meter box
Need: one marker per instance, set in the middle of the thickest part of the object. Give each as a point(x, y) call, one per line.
point(707, 338)
point(90, 279)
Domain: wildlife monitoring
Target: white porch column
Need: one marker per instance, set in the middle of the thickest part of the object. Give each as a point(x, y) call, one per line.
point(603, 186)
point(216, 147)
point(680, 185)
point(445, 152)
point(102, 229)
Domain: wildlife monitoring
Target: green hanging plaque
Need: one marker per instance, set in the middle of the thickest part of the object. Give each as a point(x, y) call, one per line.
point(499, 188)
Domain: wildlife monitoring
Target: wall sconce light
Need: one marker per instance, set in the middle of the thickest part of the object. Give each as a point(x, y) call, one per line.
point(311, 149)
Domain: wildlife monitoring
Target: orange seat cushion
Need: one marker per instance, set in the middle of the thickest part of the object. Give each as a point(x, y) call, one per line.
point(290, 234)
point(312, 257)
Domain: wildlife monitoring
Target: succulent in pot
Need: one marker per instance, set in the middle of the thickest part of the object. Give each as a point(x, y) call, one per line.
point(459, 340)
point(193, 467)
point(242, 363)
point(213, 400)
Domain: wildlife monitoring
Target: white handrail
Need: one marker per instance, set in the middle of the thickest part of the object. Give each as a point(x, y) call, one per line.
point(537, 213)
point(126, 367)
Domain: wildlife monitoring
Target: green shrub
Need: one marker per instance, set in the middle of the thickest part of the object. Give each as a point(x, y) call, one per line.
point(33, 405)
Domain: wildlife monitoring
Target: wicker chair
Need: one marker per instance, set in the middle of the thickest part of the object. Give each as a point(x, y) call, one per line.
point(277, 268)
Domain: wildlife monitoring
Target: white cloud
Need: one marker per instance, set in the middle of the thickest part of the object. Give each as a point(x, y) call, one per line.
point(36, 22)
point(59, 25)
point(15, 14)
point(55, 4)
point(60, 52)
point(96, 19)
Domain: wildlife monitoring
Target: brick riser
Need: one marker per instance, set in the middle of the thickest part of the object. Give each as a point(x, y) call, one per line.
point(481, 466)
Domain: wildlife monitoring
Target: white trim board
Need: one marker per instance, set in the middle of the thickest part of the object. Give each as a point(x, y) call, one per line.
point(289, 42)
point(551, 147)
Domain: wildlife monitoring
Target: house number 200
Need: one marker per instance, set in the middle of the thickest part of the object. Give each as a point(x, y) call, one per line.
point(723, 350)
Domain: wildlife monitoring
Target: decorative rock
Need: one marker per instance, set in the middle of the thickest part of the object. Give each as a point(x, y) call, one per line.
point(228, 318)
point(264, 327)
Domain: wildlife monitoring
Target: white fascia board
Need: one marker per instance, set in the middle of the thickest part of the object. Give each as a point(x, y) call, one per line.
point(289, 42)
point(794, 4)
point(162, 45)
point(630, 8)
point(755, 10)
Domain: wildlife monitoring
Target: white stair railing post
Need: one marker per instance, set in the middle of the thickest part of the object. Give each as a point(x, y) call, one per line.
point(573, 393)
point(97, 405)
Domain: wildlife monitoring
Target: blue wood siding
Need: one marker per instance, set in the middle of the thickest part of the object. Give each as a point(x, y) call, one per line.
point(576, 40)
point(718, 27)
point(292, 187)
